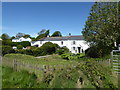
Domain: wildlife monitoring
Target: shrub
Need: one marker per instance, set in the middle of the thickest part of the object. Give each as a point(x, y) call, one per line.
point(62, 50)
point(7, 42)
point(19, 46)
point(68, 56)
point(37, 52)
point(48, 48)
point(97, 52)
point(25, 43)
point(7, 50)
point(21, 51)
point(28, 52)
point(72, 56)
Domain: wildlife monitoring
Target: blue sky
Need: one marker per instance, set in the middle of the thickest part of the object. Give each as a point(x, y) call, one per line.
point(32, 17)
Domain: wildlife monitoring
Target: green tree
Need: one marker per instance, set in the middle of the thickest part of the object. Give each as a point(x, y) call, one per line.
point(7, 50)
point(102, 27)
point(12, 37)
point(5, 36)
point(57, 34)
point(43, 33)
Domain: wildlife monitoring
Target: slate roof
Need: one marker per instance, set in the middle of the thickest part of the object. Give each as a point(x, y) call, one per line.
point(80, 37)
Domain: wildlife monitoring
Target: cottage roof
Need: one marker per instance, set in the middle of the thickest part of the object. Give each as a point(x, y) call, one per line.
point(80, 37)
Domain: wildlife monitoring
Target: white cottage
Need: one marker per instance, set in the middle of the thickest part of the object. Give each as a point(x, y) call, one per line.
point(21, 39)
point(76, 44)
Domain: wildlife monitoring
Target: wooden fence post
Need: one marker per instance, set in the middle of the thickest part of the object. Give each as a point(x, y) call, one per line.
point(61, 67)
point(44, 68)
point(56, 67)
point(53, 68)
point(15, 65)
point(48, 68)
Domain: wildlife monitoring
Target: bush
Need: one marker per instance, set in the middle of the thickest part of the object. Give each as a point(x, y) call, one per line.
point(97, 52)
point(19, 46)
point(21, 51)
point(62, 50)
point(7, 42)
point(72, 56)
point(7, 50)
point(25, 43)
point(37, 52)
point(28, 52)
point(48, 48)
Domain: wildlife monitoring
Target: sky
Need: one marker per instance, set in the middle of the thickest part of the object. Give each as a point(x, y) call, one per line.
point(32, 17)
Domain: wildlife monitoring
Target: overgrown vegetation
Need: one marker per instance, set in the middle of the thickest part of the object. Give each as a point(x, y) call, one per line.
point(46, 49)
point(21, 79)
point(88, 74)
point(71, 56)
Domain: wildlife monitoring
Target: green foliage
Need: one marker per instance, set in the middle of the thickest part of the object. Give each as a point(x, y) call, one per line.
point(12, 37)
point(38, 52)
point(33, 38)
point(97, 52)
point(21, 79)
point(45, 49)
point(94, 75)
point(19, 46)
point(21, 51)
point(48, 48)
point(43, 33)
point(56, 34)
point(5, 36)
point(7, 50)
point(100, 76)
point(62, 50)
point(102, 27)
point(7, 42)
point(71, 56)
point(25, 43)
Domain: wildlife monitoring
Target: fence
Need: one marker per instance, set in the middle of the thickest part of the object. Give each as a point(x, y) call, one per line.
point(17, 65)
point(115, 61)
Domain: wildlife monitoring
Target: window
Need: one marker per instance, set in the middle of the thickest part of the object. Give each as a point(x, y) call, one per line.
point(73, 42)
point(73, 48)
point(61, 42)
point(40, 42)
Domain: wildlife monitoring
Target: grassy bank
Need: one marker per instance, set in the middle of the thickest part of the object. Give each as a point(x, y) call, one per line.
point(22, 79)
point(87, 74)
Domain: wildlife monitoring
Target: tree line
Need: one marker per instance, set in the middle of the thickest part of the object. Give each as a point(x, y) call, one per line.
point(41, 34)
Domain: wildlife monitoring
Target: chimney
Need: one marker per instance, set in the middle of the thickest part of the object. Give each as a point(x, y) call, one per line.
point(69, 34)
point(48, 36)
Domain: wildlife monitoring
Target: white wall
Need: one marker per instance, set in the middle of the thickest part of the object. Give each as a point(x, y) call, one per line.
point(68, 43)
point(21, 39)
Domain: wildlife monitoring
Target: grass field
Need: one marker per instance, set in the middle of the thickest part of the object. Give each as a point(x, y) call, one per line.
point(87, 74)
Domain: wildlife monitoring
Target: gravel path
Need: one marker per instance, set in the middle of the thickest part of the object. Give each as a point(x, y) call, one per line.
point(43, 56)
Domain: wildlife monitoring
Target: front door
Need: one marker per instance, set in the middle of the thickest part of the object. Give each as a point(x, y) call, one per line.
point(79, 49)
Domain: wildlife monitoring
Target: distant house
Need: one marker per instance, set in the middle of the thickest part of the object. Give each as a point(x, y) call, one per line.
point(76, 44)
point(17, 39)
